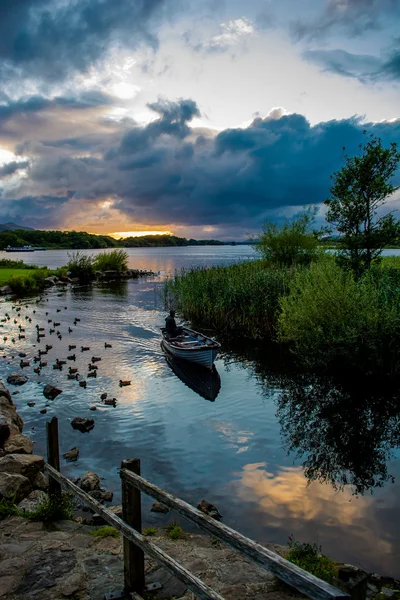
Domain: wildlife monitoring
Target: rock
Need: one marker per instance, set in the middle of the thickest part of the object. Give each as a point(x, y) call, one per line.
point(72, 454)
point(98, 519)
point(50, 392)
point(5, 393)
point(27, 465)
point(65, 279)
point(4, 430)
point(43, 411)
point(14, 485)
point(50, 281)
point(388, 592)
point(93, 407)
point(159, 508)
point(90, 481)
point(209, 509)
point(15, 393)
point(41, 482)
point(32, 501)
point(31, 403)
point(99, 495)
point(18, 444)
point(82, 424)
point(5, 289)
point(17, 379)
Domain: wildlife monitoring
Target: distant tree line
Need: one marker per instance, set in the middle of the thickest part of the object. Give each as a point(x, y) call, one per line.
point(77, 240)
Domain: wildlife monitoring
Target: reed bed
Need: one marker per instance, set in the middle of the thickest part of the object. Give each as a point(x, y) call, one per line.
point(243, 297)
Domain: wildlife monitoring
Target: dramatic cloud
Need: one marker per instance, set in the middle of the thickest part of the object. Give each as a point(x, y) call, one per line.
point(168, 172)
point(354, 16)
point(12, 167)
point(230, 34)
point(51, 39)
point(365, 68)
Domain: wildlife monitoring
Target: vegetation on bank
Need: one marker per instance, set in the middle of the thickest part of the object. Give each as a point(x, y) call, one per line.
point(51, 508)
point(79, 240)
point(332, 310)
point(309, 557)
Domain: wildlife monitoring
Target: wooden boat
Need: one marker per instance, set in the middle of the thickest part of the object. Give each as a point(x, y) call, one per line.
point(206, 383)
point(192, 346)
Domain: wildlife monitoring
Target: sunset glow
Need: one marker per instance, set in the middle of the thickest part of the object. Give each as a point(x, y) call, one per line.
point(125, 234)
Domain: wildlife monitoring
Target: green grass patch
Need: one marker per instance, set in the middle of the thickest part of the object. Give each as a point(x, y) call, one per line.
point(105, 531)
point(8, 508)
point(7, 273)
point(309, 558)
point(116, 260)
point(150, 531)
point(174, 531)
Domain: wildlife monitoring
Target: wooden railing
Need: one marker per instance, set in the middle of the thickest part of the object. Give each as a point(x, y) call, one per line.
point(136, 545)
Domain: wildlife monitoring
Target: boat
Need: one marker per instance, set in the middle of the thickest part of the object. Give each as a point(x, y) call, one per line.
point(191, 346)
point(206, 383)
point(19, 249)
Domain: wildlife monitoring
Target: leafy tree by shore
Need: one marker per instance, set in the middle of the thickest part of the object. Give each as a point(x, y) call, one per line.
point(359, 191)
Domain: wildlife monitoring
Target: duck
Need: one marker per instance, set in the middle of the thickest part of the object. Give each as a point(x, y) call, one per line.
point(20, 337)
point(72, 454)
point(70, 330)
point(48, 347)
point(76, 319)
point(107, 345)
point(61, 362)
point(24, 363)
point(51, 331)
point(37, 370)
point(123, 383)
point(72, 370)
point(96, 359)
point(84, 348)
point(110, 402)
point(92, 374)
point(83, 384)
point(72, 375)
point(103, 396)
point(58, 309)
point(49, 320)
point(43, 363)
point(57, 366)
point(92, 367)
point(71, 357)
point(71, 347)
point(56, 324)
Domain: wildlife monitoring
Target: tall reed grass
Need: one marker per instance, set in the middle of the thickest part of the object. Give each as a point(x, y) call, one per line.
point(243, 297)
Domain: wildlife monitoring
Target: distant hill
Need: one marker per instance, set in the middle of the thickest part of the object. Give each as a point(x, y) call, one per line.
point(13, 227)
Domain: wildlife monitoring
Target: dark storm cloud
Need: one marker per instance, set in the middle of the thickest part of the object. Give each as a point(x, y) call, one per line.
point(12, 167)
point(355, 16)
point(52, 38)
point(365, 68)
point(169, 172)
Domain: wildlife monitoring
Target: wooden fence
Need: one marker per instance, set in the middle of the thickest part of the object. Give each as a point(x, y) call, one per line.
point(136, 545)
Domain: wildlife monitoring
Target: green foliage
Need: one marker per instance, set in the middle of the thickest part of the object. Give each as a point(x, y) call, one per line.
point(174, 531)
point(55, 239)
point(105, 531)
point(150, 531)
point(81, 265)
point(53, 508)
point(243, 297)
point(292, 243)
point(309, 558)
point(30, 282)
point(8, 508)
point(116, 260)
point(331, 317)
point(5, 263)
point(358, 192)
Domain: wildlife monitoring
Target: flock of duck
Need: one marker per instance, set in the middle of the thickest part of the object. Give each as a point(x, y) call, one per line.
point(19, 317)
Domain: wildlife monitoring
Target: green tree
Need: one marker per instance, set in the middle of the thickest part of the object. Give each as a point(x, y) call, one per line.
point(359, 191)
point(292, 243)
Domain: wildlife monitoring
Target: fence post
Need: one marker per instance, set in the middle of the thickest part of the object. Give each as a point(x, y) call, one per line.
point(53, 454)
point(134, 580)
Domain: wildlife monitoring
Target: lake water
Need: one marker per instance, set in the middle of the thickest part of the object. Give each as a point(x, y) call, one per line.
point(252, 451)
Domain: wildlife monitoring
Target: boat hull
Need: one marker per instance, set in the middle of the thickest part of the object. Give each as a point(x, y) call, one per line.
point(203, 356)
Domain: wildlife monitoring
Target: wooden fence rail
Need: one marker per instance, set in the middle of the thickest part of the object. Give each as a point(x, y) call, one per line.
point(136, 545)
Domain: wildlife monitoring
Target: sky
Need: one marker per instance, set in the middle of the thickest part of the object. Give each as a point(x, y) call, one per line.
point(196, 117)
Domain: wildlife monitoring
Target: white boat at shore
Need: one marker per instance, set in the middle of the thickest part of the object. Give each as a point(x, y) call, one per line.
point(191, 346)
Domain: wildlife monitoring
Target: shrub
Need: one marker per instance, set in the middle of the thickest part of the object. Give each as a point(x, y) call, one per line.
point(292, 243)
point(150, 531)
point(6, 263)
point(53, 508)
point(30, 283)
point(81, 265)
point(105, 531)
point(116, 260)
point(309, 558)
point(329, 316)
point(174, 531)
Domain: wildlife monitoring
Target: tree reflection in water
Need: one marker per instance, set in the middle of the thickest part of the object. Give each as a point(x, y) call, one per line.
point(345, 430)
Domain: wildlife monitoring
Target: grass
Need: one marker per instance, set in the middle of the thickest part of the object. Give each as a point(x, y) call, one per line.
point(116, 260)
point(52, 508)
point(309, 558)
point(7, 273)
point(174, 531)
point(150, 531)
point(240, 298)
point(105, 531)
point(8, 508)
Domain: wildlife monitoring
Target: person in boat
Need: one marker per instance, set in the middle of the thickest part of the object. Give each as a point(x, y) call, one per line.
point(170, 325)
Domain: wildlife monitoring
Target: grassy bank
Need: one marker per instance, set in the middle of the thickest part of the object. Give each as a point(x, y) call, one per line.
point(321, 312)
point(6, 274)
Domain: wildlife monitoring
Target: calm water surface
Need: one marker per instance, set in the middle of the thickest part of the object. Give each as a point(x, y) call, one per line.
point(277, 454)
